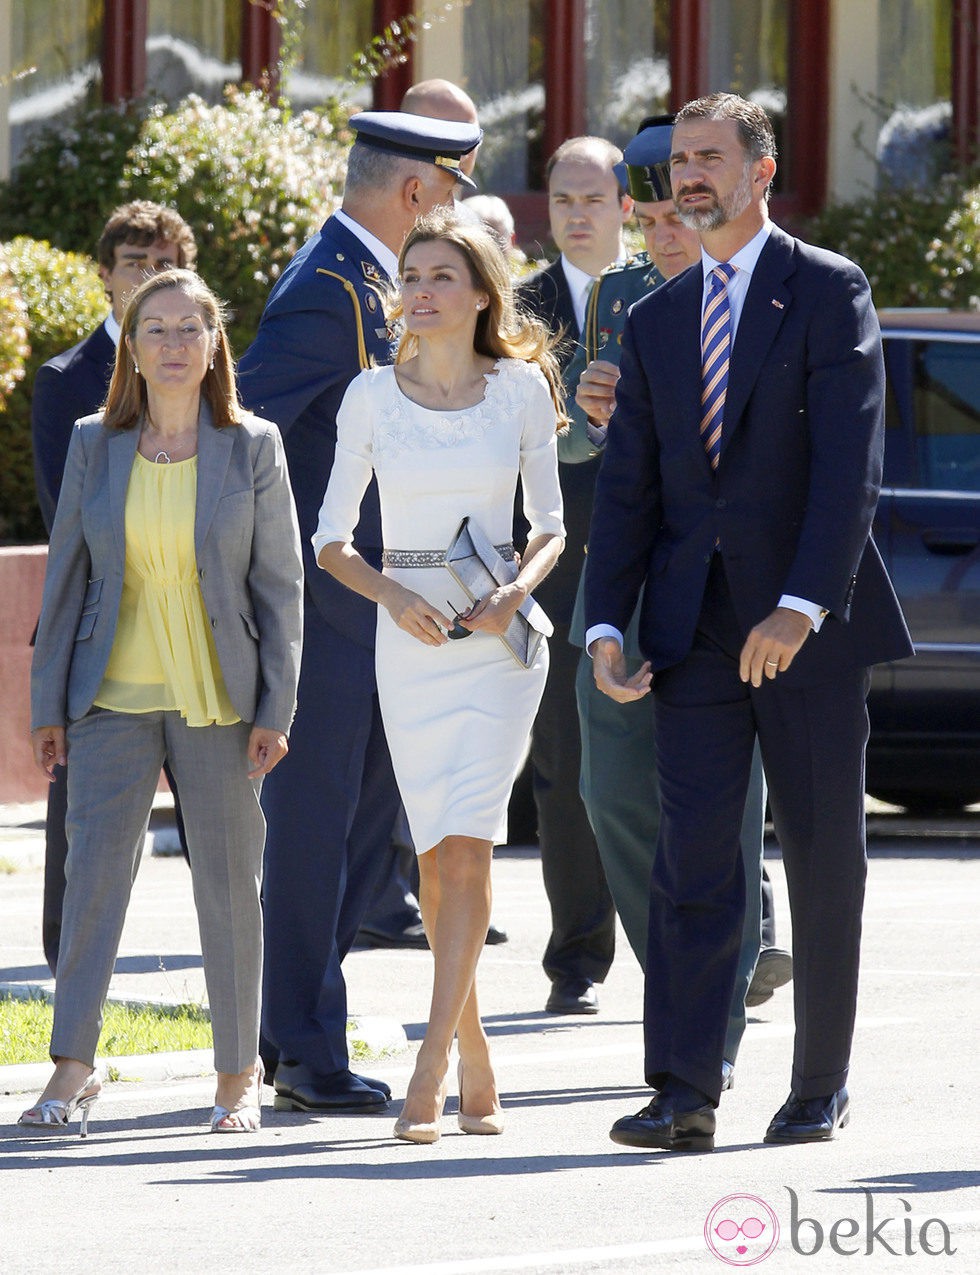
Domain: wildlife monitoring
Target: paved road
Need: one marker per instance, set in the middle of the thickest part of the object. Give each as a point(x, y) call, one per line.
point(151, 1190)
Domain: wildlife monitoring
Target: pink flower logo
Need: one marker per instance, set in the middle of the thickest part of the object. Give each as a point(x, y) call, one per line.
point(741, 1230)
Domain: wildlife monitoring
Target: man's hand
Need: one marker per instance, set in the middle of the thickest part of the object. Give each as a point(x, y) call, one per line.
point(609, 671)
point(596, 391)
point(772, 645)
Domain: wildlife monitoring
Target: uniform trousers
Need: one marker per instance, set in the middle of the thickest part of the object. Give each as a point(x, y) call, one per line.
point(331, 806)
point(115, 766)
point(583, 919)
point(812, 739)
point(621, 793)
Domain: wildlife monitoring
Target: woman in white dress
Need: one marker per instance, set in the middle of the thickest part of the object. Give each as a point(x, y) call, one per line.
point(472, 402)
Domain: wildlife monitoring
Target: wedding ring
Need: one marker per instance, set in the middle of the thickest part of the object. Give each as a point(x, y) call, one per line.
point(773, 663)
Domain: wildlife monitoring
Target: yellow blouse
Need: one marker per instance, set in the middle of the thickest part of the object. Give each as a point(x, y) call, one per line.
point(163, 656)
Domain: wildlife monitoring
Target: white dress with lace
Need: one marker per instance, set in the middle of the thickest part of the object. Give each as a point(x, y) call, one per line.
point(457, 716)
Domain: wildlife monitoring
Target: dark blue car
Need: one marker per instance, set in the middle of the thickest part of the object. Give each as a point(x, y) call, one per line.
point(925, 712)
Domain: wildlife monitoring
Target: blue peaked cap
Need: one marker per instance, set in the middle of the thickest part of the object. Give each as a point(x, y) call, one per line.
point(439, 142)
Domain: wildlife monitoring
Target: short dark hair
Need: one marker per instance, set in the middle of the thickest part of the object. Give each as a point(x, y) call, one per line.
point(752, 123)
point(143, 222)
point(598, 148)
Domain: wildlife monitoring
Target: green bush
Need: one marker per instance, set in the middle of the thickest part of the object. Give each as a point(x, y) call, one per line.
point(955, 256)
point(64, 299)
point(13, 332)
point(915, 246)
point(253, 180)
point(67, 181)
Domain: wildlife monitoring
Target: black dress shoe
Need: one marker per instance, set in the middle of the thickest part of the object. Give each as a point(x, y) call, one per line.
point(495, 936)
point(299, 1088)
point(773, 968)
point(572, 996)
point(412, 936)
point(380, 1085)
point(661, 1126)
point(809, 1119)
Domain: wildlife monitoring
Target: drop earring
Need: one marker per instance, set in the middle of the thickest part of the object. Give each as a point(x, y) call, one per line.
point(136, 367)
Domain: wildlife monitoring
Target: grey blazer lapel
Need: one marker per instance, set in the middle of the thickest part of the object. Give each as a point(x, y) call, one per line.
point(121, 446)
point(214, 448)
point(767, 303)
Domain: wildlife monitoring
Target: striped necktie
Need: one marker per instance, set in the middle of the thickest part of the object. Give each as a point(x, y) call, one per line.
point(716, 344)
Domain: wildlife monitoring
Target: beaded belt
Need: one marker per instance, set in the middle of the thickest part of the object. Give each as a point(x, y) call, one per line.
point(431, 557)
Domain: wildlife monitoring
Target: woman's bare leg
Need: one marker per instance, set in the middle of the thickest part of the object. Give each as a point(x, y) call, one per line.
point(455, 900)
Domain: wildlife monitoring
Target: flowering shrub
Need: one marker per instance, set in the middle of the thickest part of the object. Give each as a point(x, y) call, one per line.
point(955, 255)
point(917, 247)
point(13, 332)
point(63, 299)
point(253, 180)
point(66, 182)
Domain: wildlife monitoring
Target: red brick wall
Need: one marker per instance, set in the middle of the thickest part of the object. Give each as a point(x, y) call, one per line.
point(21, 582)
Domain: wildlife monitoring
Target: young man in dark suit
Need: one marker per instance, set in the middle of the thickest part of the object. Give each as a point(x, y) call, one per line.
point(138, 239)
point(587, 209)
point(738, 485)
point(332, 808)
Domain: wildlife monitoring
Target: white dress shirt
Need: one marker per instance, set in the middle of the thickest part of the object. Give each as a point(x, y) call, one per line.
point(745, 261)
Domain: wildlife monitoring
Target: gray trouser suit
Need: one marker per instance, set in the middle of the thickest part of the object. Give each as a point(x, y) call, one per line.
point(115, 765)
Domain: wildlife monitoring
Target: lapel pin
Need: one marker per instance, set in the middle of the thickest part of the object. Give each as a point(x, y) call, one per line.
point(778, 304)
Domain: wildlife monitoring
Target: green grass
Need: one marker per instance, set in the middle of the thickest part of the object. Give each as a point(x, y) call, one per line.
point(25, 1030)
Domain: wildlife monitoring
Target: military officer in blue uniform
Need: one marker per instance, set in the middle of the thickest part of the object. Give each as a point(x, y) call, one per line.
point(619, 775)
point(332, 808)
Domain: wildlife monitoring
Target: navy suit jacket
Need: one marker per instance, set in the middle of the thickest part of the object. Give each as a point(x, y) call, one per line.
point(791, 502)
point(71, 385)
point(546, 295)
point(296, 371)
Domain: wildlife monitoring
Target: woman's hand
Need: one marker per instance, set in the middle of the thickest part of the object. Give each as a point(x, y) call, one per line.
point(50, 749)
point(266, 749)
point(494, 613)
point(415, 616)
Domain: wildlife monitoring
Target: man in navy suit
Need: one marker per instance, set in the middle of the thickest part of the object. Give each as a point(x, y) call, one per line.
point(587, 209)
point(139, 238)
point(331, 810)
point(743, 502)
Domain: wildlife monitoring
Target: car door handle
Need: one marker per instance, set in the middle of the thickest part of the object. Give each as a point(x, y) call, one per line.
point(950, 540)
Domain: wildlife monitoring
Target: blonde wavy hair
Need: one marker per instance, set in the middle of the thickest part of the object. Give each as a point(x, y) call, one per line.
point(125, 403)
point(503, 330)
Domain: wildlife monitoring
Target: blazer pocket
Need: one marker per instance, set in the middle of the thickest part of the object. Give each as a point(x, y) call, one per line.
point(93, 594)
point(86, 625)
point(250, 624)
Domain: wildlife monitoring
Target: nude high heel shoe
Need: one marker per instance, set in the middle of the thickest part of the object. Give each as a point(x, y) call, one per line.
point(53, 1113)
point(244, 1117)
point(493, 1123)
point(423, 1132)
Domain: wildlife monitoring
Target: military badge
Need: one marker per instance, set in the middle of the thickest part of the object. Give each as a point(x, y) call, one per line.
point(372, 272)
point(371, 301)
point(617, 305)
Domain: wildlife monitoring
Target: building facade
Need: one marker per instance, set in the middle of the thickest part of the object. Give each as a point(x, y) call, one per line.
point(861, 91)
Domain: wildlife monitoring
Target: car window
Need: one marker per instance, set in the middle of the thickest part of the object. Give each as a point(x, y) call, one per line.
point(932, 415)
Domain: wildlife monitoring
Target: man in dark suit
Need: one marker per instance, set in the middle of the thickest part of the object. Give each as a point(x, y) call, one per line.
point(332, 808)
point(139, 238)
point(587, 209)
point(738, 485)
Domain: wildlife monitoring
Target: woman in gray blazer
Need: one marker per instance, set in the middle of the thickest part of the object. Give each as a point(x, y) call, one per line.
point(170, 628)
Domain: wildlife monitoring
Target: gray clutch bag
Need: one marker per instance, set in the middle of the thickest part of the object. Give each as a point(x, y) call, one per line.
point(478, 569)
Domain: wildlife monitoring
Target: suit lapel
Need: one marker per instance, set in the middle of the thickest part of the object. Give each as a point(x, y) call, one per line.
point(214, 447)
point(681, 347)
point(121, 446)
point(564, 307)
point(766, 305)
